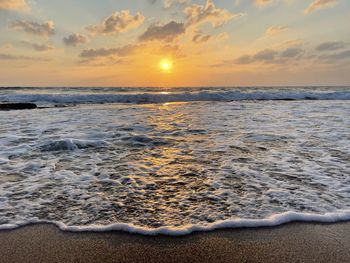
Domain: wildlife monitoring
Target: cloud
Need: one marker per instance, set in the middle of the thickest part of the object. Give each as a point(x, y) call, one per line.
point(101, 62)
point(105, 52)
point(44, 29)
point(270, 56)
point(14, 57)
point(244, 59)
point(75, 39)
point(201, 38)
point(118, 22)
point(292, 52)
point(37, 47)
point(223, 36)
point(166, 32)
point(265, 55)
point(208, 13)
point(330, 46)
point(170, 3)
point(330, 58)
point(18, 5)
point(319, 4)
point(292, 43)
point(263, 2)
point(275, 30)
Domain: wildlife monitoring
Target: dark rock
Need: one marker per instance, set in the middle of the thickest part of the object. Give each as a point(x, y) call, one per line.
point(17, 106)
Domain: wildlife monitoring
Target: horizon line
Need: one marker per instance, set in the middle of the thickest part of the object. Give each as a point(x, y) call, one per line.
point(179, 87)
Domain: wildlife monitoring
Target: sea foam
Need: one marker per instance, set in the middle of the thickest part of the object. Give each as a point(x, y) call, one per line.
point(175, 168)
point(174, 97)
point(271, 221)
point(69, 145)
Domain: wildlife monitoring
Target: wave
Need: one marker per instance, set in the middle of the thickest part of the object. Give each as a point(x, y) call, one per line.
point(274, 220)
point(69, 145)
point(173, 97)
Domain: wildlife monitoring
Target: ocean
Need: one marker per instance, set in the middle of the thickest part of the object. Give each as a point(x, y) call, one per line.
point(174, 160)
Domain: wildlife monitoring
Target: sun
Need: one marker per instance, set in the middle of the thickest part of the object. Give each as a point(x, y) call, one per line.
point(166, 65)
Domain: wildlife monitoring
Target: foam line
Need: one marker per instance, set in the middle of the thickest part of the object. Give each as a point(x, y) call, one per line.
point(173, 97)
point(274, 220)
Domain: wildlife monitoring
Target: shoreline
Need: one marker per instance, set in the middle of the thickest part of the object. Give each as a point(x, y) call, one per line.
point(229, 224)
point(293, 242)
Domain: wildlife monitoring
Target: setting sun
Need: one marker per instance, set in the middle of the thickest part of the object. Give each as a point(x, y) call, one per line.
point(166, 65)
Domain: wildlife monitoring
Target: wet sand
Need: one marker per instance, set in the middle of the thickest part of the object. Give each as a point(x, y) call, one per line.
point(297, 242)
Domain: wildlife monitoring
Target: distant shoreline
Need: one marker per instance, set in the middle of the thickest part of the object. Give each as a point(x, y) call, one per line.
point(179, 87)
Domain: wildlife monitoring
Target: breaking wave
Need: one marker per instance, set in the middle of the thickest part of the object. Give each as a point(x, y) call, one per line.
point(164, 97)
point(69, 145)
point(274, 220)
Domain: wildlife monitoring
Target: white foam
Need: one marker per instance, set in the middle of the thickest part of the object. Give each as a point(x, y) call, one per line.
point(174, 165)
point(70, 144)
point(272, 221)
point(175, 97)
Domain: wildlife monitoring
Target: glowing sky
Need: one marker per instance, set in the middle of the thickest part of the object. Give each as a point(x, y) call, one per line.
point(207, 42)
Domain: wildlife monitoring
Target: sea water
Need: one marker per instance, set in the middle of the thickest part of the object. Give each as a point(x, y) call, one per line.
point(174, 161)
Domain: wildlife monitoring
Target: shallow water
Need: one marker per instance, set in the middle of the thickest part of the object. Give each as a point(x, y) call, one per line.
point(174, 164)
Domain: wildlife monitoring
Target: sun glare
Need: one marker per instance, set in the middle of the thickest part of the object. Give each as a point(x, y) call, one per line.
point(166, 65)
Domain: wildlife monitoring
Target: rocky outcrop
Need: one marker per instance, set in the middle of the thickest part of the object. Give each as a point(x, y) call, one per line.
point(17, 106)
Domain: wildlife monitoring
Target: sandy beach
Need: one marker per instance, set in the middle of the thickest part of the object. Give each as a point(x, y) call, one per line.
point(297, 242)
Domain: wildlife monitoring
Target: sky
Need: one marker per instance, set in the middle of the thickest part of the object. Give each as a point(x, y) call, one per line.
point(202, 42)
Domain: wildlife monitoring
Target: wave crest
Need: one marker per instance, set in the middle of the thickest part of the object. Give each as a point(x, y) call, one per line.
point(69, 145)
point(174, 97)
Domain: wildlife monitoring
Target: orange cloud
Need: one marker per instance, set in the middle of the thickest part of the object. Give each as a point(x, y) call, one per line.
point(319, 4)
point(118, 22)
point(20, 5)
point(275, 30)
point(198, 14)
point(263, 2)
